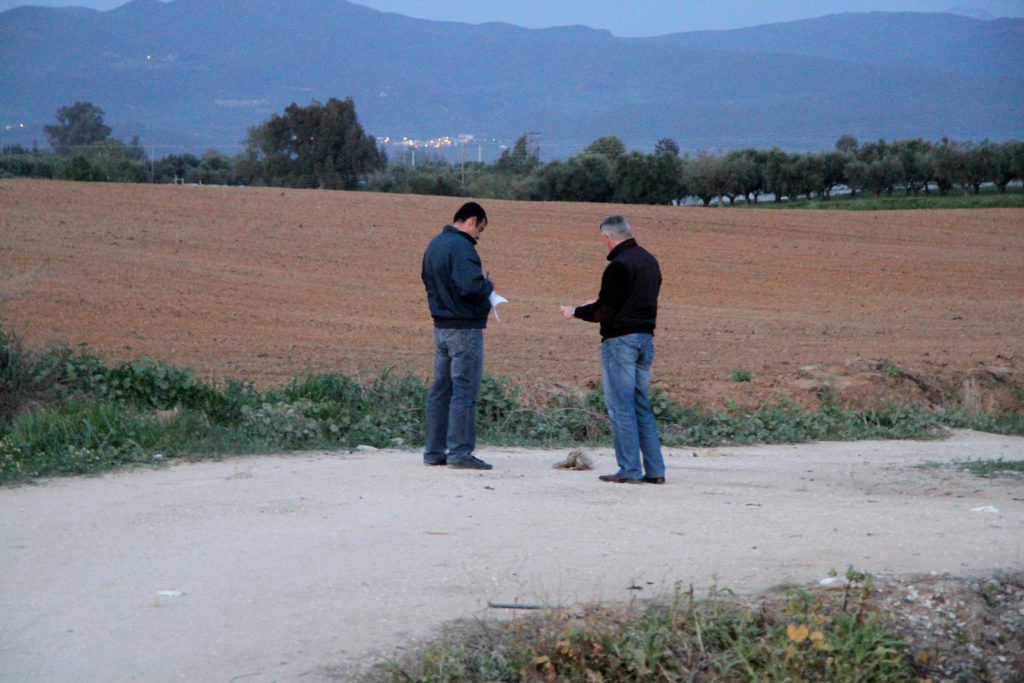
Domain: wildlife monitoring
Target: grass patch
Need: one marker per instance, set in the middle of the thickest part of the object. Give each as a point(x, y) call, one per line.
point(786, 422)
point(799, 634)
point(66, 412)
point(993, 468)
point(855, 629)
point(988, 199)
point(1006, 423)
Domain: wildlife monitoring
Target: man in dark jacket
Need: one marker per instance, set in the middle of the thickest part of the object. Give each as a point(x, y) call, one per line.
point(627, 310)
point(458, 294)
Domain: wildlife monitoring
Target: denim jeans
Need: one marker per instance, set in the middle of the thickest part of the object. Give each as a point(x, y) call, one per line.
point(450, 421)
point(626, 365)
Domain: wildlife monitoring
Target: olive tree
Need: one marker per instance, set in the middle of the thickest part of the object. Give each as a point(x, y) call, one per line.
point(705, 177)
point(647, 178)
point(1008, 164)
point(782, 174)
point(981, 164)
point(744, 174)
point(950, 162)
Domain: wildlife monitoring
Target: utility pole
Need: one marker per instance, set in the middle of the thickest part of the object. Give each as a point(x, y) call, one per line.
point(533, 142)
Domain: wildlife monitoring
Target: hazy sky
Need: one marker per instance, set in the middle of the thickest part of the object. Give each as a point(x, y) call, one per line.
point(629, 18)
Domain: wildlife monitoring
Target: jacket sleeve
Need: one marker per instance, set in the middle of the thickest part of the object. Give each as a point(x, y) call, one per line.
point(614, 292)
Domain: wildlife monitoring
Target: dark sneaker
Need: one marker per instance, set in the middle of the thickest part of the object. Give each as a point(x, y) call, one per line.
point(618, 479)
point(469, 463)
point(654, 480)
point(435, 463)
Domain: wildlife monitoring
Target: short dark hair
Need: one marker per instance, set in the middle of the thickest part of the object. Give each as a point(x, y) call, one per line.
point(471, 210)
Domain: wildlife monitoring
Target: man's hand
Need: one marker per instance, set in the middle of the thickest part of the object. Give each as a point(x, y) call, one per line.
point(568, 312)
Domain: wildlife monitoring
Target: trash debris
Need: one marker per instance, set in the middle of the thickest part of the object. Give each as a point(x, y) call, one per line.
point(519, 605)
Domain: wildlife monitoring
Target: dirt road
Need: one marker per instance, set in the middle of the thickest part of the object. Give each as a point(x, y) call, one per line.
point(283, 568)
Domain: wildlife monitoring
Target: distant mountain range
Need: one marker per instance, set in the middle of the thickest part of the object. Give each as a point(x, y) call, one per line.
point(196, 74)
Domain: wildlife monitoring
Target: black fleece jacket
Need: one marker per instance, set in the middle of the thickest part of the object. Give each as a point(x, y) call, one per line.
point(628, 302)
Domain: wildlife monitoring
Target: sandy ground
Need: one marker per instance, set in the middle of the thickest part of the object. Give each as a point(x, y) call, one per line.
point(283, 568)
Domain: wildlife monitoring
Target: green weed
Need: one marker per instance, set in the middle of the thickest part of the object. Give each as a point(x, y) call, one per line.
point(741, 375)
point(26, 377)
point(892, 370)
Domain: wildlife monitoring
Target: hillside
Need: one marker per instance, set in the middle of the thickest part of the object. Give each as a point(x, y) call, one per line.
point(193, 74)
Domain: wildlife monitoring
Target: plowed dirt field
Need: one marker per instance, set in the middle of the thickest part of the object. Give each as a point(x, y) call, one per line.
point(262, 284)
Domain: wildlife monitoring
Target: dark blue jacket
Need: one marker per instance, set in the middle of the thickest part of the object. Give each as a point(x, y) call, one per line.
point(457, 290)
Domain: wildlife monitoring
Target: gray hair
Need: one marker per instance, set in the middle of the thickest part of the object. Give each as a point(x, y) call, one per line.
point(616, 228)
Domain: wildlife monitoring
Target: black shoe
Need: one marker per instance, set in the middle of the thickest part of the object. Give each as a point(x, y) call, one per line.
point(435, 463)
point(654, 480)
point(618, 479)
point(469, 463)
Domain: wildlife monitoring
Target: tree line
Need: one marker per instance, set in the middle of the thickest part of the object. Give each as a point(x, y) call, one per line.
point(324, 146)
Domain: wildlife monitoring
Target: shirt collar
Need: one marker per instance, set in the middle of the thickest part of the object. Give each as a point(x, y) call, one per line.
point(452, 228)
point(621, 247)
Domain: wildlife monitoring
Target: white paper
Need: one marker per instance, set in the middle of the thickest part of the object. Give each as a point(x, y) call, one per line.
point(496, 299)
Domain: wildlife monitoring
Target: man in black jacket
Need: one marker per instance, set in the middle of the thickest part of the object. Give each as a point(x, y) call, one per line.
point(458, 294)
point(627, 310)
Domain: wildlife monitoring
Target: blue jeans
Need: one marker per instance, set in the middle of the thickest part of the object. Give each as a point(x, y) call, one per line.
point(626, 365)
point(450, 421)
